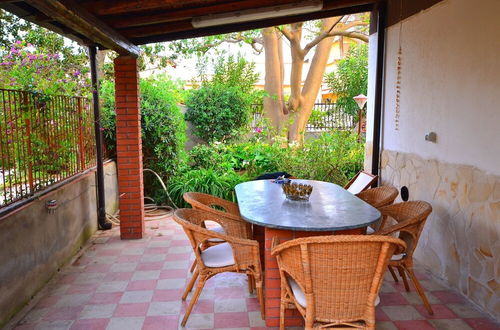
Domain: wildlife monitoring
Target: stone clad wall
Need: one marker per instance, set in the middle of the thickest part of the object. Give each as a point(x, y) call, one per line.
point(461, 240)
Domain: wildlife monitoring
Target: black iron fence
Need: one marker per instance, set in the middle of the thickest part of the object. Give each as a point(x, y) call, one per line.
point(44, 140)
point(324, 117)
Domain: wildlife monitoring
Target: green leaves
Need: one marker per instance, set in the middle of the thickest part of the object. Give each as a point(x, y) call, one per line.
point(351, 78)
point(220, 109)
point(163, 126)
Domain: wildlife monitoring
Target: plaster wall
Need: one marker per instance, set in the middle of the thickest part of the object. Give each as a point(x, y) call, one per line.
point(34, 244)
point(449, 83)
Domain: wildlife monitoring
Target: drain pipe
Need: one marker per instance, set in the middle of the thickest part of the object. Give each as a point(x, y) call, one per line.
point(101, 202)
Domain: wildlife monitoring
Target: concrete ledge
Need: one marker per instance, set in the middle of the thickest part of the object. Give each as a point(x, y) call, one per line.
point(34, 244)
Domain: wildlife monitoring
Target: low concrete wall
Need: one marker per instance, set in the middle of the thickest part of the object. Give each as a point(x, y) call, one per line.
point(34, 244)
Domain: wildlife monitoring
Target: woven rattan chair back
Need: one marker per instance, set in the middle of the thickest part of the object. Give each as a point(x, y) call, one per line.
point(245, 252)
point(212, 203)
point(339, 275)
point(406, 220)
point(217, 206)
point(380, 196)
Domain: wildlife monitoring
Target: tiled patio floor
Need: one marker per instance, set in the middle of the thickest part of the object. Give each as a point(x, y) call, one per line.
point(137, 284)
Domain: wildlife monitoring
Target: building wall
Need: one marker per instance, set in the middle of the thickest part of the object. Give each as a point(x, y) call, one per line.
point(450, 77)
point(34, 244)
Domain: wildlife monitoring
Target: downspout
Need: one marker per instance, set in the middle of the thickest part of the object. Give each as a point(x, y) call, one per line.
point(379, 82)
point(101, 202)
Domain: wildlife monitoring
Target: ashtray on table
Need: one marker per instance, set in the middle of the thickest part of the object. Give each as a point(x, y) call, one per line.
point(297, 191)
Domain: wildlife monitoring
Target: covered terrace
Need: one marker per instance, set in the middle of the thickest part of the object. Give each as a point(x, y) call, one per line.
point(429, 72)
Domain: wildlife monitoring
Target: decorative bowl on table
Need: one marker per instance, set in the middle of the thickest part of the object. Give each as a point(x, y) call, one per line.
point(297, 191)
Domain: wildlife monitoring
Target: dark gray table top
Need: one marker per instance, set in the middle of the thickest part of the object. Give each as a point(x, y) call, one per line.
point(329, 208)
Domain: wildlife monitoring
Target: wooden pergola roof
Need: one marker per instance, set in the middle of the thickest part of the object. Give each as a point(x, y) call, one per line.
point(121, 25)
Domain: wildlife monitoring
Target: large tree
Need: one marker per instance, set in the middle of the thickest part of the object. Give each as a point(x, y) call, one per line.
point(293, 114)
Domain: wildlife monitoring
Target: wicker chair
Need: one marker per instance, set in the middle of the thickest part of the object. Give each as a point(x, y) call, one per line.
point(378, 197)
point(218, 206)
point(236, 254)
point(408, 220)
point(361, 181)
point(334, 280)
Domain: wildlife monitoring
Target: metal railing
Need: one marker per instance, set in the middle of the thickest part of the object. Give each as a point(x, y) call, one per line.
point(44, 140)
point(325, 117)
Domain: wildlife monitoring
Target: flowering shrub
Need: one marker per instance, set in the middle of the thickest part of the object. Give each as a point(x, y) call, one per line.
point(24, 67)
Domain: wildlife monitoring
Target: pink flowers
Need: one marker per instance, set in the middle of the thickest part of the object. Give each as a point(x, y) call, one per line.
point(258, 129)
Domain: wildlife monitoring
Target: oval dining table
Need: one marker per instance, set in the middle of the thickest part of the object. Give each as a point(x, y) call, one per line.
point(331, 210)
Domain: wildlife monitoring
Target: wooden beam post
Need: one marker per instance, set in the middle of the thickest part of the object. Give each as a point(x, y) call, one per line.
point(77, 18)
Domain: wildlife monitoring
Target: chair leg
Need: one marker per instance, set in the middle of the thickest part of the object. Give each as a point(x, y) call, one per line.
point(282, 310)
point(190, 285)
point(260, 295)
point(401, 272)
point(420, 290)
point(193, 266)
point(194, 299)
point(250, 283)
point(391, 270)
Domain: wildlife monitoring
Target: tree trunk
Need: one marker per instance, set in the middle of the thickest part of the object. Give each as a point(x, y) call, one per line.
point(312, 85)
point(273, 103)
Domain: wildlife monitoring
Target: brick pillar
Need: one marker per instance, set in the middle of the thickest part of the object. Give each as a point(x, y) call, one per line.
point(129, 148)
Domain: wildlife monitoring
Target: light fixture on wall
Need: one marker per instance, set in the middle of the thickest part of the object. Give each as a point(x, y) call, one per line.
point(256, 14)
point(360, 101)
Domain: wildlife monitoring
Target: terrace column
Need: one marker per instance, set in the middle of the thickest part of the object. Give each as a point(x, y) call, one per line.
point(129, 148)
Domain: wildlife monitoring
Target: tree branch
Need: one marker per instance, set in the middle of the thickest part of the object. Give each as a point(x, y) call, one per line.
point(349, 34)
point(286, 32)
point(321, 36)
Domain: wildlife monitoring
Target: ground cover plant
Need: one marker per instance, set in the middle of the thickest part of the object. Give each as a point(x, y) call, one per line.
point(216, 168)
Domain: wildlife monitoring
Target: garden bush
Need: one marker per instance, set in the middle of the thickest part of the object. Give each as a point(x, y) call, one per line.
point(208, 181)
point(163, 126)
point(218, 112)
point(350, 79)
point(215, 169)
point(220, 109)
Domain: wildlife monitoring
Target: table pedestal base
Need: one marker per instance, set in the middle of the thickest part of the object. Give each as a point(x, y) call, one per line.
point(272, 275)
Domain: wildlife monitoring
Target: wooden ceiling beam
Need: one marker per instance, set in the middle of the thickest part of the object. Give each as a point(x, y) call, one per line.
point(114, 7)
point(151, 30)
point(244, 26)
point(78, 19)
point(146, 18)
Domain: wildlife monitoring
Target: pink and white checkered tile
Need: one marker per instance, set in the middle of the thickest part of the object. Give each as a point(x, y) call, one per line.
point(137, 284)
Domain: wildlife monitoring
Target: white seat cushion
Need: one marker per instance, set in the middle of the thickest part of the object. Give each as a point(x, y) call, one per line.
point(297, 292)
point(219, 255)
point(397, 257)
point(301, 297)
point(218, 229)
point(360, 183)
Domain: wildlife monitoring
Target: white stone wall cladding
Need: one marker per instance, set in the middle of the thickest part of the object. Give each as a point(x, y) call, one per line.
point(461, 240)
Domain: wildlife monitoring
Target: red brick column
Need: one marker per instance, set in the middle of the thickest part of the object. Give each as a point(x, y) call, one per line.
point(129, 148)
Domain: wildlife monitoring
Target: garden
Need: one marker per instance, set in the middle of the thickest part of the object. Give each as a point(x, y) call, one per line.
point(220, 111)
point(49, 137)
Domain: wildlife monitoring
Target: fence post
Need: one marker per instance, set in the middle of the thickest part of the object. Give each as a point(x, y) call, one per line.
point(27, 122)
point(360, 115)
point(80, 135)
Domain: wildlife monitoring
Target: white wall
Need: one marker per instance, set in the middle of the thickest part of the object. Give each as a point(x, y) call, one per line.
point(450, 84)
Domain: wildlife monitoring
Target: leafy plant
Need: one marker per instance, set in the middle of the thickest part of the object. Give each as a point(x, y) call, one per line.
point(350, 79)
point(206, 181)
point(163, 127)
point(25, 67)
point(220, 109)
point(218, 112)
